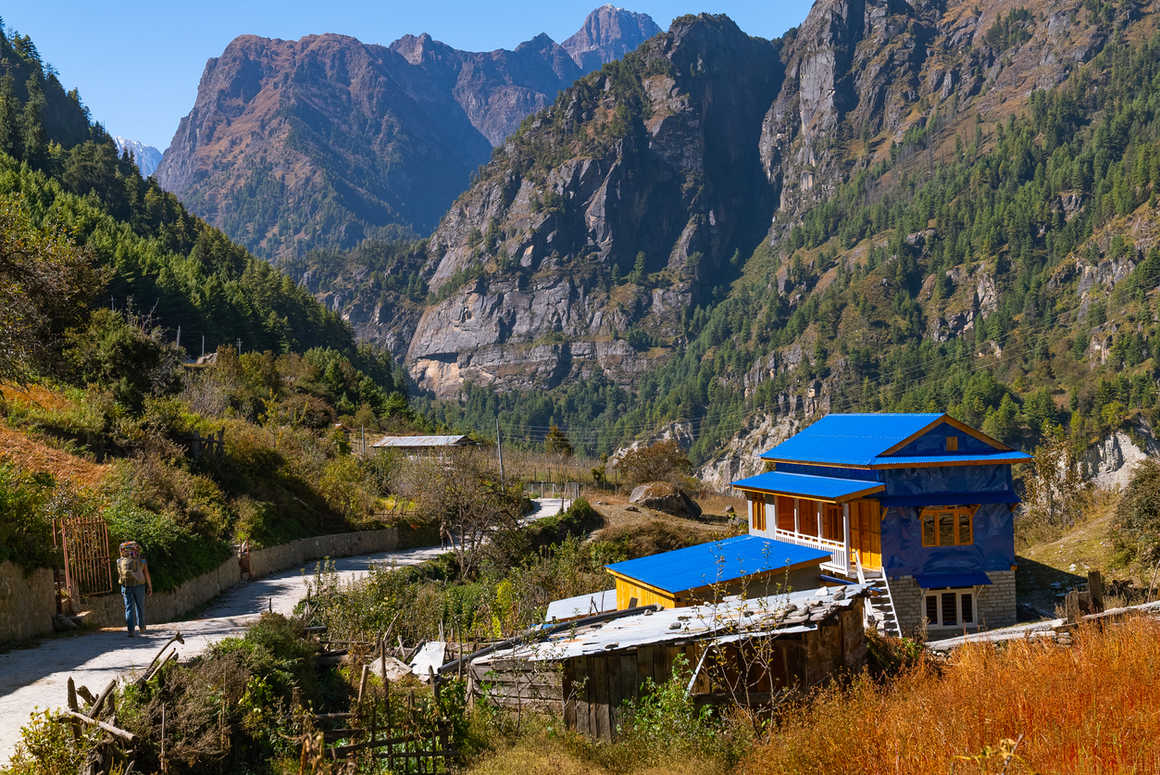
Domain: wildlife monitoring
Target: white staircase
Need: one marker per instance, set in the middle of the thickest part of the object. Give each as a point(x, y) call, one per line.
point(879, 609)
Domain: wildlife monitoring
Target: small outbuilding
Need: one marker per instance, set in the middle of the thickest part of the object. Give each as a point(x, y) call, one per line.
point(427, 445)
point(747, 564)
point(739, 651)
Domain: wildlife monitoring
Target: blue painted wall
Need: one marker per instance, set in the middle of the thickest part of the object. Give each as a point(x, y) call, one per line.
point(934, 442)
point(915, 481)
point(864, 474)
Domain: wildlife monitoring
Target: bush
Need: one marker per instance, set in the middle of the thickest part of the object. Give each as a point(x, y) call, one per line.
point(25, 527)
point(1136, 529)
point(662, 461)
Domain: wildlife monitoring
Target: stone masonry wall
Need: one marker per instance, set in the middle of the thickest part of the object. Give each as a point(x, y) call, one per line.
point(109, 611)
point(27, 602)
point(995, 606)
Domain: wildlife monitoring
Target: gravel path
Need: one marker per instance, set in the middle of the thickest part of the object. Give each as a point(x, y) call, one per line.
point(37, 677)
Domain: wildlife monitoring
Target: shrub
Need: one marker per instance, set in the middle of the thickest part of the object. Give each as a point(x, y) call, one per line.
point(25, 527)
point(662, 460)
point(1136, 528)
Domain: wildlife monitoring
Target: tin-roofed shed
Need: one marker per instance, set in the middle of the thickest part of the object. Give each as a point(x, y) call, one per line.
point(741, 650)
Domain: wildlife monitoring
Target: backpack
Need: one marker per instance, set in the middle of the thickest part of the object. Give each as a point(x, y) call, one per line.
point(129, 571)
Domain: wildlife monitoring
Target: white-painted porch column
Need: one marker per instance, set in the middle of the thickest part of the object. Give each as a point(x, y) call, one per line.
point(818, 514)
point(846, 534)
point(796, 505)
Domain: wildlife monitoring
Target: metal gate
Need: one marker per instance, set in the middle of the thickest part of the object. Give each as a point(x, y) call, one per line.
point(88, 568)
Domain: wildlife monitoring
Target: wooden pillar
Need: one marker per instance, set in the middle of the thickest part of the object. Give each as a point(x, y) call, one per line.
point(818, 516)
point(796, 525)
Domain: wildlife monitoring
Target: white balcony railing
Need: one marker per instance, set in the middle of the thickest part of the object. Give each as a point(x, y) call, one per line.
point(839, 552)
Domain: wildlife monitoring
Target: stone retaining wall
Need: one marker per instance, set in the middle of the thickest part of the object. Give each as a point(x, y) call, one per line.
point(109, 611)
point(27, 602)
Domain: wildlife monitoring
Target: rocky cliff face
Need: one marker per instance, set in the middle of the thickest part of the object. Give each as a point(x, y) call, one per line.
point(608, 34)
point(325, 141)
point(649, 172)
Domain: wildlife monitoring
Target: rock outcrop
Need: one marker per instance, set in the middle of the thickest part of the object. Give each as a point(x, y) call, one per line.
point(666, 497)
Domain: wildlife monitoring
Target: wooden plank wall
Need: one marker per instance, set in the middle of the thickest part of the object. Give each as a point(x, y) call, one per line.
point(513, 683)
point(590, 691)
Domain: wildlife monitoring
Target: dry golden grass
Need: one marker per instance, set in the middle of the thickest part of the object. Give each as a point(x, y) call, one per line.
point(545, 755)
point(1090, 708)
point(32, 455)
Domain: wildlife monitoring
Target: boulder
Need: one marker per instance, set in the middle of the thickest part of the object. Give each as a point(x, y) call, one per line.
point(665, 497)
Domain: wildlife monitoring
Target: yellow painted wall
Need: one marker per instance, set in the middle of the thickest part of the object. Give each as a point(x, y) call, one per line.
point(626, 590)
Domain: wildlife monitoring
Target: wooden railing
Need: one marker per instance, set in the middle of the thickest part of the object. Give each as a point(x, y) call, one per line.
point(839, 555)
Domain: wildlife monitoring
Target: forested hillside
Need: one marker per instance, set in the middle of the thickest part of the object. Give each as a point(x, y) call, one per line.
point(102, 411)
point(1001, 265)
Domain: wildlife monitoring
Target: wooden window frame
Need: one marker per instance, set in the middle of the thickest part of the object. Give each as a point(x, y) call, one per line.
point(957, 512)
point(952, 444)
point(939, 596)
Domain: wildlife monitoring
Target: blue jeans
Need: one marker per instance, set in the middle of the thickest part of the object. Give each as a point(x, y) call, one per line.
point(134, 599)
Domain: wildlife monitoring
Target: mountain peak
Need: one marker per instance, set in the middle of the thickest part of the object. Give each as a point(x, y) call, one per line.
point(146, 156)
point(608, 34)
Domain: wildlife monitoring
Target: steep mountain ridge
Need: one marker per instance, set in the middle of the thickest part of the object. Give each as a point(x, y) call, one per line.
point(586, 188)
point(326, 141)
point(654, 177)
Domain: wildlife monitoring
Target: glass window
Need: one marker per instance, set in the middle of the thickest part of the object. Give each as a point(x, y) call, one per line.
point(949, 612)
point(950, 608)
point(946, 529)
point(947, 526)
point(964, 528)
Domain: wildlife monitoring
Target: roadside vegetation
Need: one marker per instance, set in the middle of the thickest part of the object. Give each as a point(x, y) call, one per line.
point(108, 287)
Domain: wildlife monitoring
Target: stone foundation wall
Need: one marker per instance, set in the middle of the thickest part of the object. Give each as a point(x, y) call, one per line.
point(27, 602)
point(995, 606)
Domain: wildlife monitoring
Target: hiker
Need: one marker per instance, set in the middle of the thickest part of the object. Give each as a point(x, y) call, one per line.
point(244, 561)
point(133, 573)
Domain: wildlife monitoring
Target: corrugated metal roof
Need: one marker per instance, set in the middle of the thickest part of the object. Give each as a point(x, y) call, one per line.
point(730, 619)
point(581, 605)
point(716, 562)
point(828, 488)
point(419, 441)
point(850, 439)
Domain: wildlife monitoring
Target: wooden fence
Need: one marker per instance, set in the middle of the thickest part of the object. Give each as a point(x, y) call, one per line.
point(88, 567)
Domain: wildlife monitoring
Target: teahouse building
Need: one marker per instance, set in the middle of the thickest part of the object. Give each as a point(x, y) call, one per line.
point(918, 504)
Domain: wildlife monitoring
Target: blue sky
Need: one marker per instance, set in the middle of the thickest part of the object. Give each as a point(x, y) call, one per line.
point(137, 63)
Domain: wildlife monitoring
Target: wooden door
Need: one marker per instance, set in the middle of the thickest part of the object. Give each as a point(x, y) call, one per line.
point(866, 532)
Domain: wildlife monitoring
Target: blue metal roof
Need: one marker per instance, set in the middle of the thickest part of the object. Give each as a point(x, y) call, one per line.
point(827, 488)
point(968, 578)
point(864, 439)
point(715, 562)
point(850, 439)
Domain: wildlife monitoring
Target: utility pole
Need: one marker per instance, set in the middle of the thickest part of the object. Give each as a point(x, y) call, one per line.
point(499, 449)
point(178, 344)
point(203, 345)
point(239, 343)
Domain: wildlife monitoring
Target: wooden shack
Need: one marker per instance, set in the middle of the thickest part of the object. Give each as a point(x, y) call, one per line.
point(739, 651)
